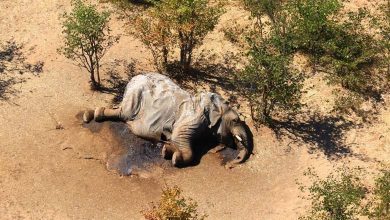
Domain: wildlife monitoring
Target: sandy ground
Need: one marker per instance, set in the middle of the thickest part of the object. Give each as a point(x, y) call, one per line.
point(47, 173)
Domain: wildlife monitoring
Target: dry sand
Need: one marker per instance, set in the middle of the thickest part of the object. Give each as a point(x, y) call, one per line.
point(47, 173)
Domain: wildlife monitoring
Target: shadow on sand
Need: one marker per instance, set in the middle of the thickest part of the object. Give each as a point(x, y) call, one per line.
point(13, 63)
point(324, 133)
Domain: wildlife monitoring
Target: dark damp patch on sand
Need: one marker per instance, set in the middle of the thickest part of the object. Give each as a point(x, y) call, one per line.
point(228, 154)
point(133, 154)
point(127, 153)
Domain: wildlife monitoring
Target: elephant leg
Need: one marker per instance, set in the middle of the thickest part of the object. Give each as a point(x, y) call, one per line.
point(184, 136)
point(102, 114)
point(181, 146)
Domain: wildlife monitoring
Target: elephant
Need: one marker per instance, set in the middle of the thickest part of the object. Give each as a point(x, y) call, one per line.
point(157, 109)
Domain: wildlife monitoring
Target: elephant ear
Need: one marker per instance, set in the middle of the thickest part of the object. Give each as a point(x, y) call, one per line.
point(217, 107)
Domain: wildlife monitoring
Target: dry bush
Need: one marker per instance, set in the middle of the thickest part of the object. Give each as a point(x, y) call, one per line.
point(173, 205)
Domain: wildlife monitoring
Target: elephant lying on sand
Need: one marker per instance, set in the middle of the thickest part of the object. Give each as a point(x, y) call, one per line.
point(155, 108)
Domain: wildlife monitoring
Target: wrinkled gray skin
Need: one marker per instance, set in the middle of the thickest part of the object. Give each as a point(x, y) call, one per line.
point(155, 108)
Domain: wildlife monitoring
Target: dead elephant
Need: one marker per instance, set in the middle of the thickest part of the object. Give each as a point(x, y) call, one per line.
point(155, 108)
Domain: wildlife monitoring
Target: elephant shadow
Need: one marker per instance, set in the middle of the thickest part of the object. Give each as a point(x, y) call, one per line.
point(209, 141)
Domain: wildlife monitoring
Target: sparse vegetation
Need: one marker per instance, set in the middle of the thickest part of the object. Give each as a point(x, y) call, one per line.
point(342, 195)
point(350, 49)
point(87, 38)
point(268, 83)
point(336, 43)
point(337, 197)
point(339, 45)
point(173, 205)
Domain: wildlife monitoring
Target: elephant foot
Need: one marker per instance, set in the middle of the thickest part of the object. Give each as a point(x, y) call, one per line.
point(166, 154)
point(182, 158)
point(176, 159)
point(88, 115)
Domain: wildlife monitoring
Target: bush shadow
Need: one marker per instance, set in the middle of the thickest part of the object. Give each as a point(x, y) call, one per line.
point(325, 133)
point(13, 62)
point(215, 75)
point(116, 83)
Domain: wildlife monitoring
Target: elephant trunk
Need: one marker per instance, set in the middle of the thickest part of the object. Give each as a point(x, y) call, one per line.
point(244, 144)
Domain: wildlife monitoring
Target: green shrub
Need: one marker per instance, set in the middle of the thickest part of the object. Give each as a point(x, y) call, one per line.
point(380, 206)
point(340, 45)
point(87, 37)
point(173, 205)
point(269, 82)
point(337, 197)
point(351, 56)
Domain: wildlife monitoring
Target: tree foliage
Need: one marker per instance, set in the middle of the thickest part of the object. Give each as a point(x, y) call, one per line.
point(174, 24)
point(87, 37)
point(339, 45)
point(269, 81)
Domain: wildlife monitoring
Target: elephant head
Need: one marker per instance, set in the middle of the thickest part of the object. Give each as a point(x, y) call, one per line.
point(226, 124)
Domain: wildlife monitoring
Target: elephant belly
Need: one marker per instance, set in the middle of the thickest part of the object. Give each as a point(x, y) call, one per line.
point(153, 126)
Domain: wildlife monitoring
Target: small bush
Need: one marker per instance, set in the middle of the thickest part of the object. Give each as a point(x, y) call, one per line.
point(348, 102)
point(313, 24)
point(380, 206)
point(173, 205)
point(87, 37)
point(337, 197)
point(154, 30)
point(269, 82)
